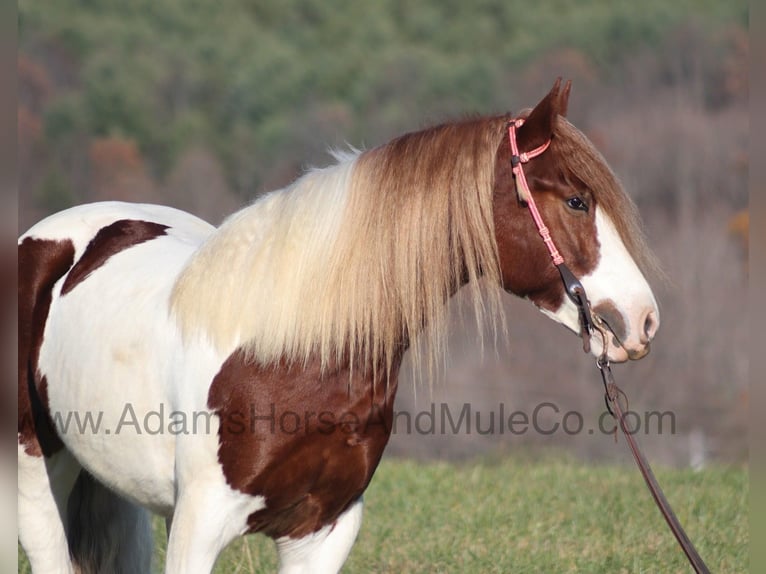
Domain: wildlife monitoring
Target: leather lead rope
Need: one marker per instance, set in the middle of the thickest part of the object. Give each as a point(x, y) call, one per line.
point(612, 394)
point(576, 292)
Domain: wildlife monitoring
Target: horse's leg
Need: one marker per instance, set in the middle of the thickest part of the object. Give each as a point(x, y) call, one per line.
point(207, 516)
point(44, 486)
point(323, 551)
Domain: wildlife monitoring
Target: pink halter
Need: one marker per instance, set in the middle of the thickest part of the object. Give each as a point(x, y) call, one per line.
point(572, 285)
point(517, 159)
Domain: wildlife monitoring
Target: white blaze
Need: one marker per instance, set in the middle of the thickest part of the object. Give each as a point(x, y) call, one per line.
point(616, 278)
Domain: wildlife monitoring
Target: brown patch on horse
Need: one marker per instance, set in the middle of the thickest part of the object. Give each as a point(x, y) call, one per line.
point(110, 240)
point(42, 262)
point(306, 439)
point(610, 314)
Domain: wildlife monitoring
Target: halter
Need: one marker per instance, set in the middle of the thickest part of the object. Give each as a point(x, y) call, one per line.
point(572, 285)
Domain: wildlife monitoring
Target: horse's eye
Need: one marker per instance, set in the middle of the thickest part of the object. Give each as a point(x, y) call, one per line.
point(577, 203)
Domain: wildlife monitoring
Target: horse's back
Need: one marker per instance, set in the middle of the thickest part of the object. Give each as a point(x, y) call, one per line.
point(80, 223)
point(96, 337)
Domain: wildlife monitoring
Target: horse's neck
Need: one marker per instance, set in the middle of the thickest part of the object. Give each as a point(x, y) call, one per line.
point(342, 259)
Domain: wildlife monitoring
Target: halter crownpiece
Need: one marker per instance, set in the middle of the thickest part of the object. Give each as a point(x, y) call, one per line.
point(522, 187)
point(574, 289)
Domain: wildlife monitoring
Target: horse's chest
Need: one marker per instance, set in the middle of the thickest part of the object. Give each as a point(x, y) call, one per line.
point(308, 444)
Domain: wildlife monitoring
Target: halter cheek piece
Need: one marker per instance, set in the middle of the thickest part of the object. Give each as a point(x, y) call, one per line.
point(572, 285)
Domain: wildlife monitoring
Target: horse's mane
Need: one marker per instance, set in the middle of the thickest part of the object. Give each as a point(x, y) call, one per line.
point(354, 259)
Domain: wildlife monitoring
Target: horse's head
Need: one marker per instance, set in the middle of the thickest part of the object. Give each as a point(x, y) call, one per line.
point(593, 223)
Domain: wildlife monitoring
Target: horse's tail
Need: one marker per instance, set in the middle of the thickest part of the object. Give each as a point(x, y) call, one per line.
point(107, 533)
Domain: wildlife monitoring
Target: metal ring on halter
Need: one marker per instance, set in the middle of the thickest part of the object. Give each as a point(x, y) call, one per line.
point(598, 325)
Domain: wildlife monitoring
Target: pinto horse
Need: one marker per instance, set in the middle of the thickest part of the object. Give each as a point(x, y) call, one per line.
point(241, 379)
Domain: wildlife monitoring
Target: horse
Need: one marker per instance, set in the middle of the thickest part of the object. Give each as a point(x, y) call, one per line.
point(241, 379)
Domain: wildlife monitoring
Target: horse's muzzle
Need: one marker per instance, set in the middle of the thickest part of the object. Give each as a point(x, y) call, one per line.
point(626, 338)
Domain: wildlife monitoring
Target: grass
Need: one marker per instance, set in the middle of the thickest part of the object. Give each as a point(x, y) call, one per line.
point(520, 516)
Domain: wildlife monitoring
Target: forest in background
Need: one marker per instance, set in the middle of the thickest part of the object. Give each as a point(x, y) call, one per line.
point(204, 105)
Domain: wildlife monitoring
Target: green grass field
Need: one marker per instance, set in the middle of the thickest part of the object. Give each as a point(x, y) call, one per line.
point(522, 516)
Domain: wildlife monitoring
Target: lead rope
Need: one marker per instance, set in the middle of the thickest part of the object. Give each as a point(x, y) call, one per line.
point(576, 293)
point(612, 395)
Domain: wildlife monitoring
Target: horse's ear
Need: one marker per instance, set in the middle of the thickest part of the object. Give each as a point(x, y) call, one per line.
point(538, 126)
point(564, 99)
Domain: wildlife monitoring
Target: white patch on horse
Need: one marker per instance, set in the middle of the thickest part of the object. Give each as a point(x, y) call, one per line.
point(40, 513)
point(207, 517)
point(615, 278)
point(323, 551)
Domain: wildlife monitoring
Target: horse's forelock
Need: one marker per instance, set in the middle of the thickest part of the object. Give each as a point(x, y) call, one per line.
point(579, 160)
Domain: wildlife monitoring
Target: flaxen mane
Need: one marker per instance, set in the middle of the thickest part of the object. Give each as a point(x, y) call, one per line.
point(351, 259)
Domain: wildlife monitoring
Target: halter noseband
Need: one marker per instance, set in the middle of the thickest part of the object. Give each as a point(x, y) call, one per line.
point(572, 285)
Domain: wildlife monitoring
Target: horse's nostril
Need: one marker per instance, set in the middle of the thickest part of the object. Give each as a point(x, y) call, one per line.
point(650, 326)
